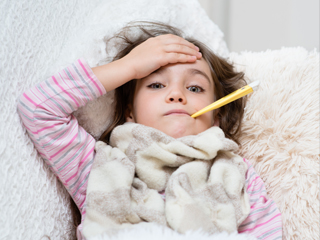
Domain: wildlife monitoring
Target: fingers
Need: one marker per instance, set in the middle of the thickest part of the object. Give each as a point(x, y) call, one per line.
point(169, 39)
point(179, 58)
point(183, 49)
point(178, 49)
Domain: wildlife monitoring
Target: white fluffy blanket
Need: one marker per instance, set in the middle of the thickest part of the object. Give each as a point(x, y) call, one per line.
point(203, 181)
point(281, 125)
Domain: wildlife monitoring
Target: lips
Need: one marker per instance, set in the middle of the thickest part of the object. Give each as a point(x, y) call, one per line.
point(177, 112)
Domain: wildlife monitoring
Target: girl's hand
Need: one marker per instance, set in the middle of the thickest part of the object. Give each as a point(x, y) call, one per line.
point(145, 59)
point(159, 51)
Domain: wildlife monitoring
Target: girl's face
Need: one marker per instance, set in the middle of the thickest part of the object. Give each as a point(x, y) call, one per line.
point(166, 99)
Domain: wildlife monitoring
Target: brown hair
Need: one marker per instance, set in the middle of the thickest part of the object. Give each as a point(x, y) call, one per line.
point(226, 80)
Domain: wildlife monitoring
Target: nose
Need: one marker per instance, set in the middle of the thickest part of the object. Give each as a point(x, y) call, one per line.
point(176, 95)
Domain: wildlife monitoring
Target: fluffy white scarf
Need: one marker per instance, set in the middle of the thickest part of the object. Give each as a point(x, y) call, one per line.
point(203, 180)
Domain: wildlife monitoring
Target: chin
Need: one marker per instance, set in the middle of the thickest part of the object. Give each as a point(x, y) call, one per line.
point(177, 127)
point(178, 133)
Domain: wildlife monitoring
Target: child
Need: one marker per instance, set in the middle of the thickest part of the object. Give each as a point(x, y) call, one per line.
point(160, 80)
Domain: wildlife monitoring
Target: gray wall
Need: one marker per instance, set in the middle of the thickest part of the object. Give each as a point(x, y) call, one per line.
point(258, 25)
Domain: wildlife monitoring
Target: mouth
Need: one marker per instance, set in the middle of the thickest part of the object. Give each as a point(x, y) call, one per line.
point(177, 112)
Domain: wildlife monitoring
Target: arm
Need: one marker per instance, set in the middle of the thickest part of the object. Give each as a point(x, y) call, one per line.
point(46, 113)
point(264, 220)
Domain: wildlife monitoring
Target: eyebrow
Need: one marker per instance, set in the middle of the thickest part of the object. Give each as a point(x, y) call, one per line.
point(192, 71)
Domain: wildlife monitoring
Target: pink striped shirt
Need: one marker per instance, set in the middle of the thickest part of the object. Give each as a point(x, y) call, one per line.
point(46, 112)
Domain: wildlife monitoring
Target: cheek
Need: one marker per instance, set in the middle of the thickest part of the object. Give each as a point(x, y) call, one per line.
point(207, 119)
point(143, 108)
point(202, 102)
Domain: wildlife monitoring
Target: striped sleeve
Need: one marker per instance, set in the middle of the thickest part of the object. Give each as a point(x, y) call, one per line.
point(264, 220)
point(46, 110)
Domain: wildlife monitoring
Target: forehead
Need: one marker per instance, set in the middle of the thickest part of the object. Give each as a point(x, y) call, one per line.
point(200, 67)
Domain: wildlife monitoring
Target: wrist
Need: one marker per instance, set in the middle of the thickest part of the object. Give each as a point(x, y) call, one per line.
point(114, 74)
point(128, 67)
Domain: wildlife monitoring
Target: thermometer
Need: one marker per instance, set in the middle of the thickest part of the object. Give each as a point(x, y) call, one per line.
point(229, 98)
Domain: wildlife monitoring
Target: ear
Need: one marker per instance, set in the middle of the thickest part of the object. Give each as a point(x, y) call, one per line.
point(129, 115)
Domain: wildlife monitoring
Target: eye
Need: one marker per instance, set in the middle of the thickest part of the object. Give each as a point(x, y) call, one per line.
point(156, 85)
point(195, 89)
